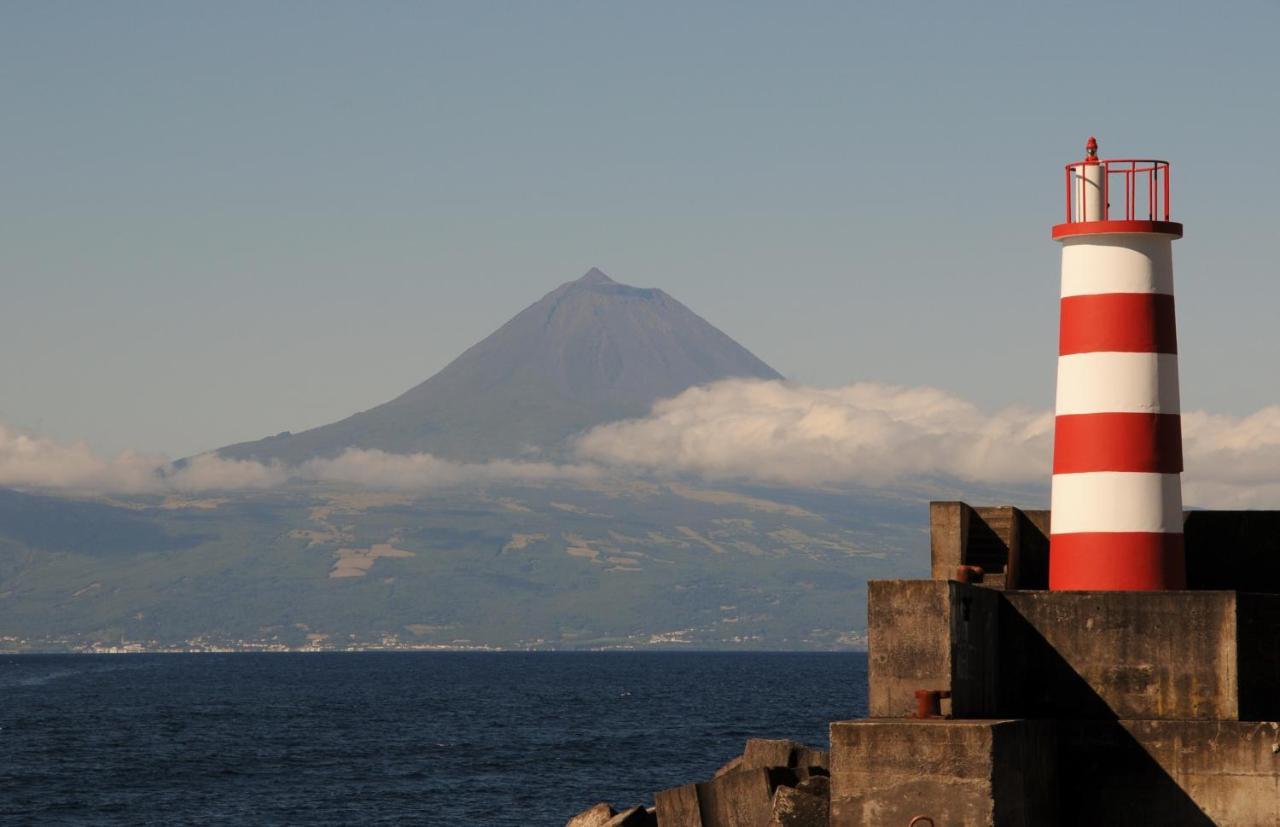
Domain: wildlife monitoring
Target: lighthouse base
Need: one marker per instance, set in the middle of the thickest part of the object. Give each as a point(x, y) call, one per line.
point(1069, 707)
point(1055, 772)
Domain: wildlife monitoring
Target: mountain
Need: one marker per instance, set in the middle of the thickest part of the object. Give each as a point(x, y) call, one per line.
point(614, 562)
point(591, 351)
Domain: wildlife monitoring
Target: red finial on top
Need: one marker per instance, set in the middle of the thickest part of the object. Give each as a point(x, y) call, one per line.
point(1091, 150)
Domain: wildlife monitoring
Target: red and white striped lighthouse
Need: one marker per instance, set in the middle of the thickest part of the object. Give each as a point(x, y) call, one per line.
point(1117, 455)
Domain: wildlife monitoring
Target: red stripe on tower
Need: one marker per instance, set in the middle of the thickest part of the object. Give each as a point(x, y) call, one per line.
point(1126, 322)
point(1142, 442)
point(1117, 497)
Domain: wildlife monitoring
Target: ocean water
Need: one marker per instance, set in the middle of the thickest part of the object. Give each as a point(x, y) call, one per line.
point(390, 738)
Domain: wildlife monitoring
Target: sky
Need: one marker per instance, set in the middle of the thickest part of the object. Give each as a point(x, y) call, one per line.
point(221, 221)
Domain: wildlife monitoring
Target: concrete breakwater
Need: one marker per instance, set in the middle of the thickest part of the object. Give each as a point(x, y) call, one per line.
point(773, 783)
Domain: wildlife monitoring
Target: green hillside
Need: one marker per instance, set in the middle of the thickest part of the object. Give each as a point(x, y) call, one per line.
point(620, 565)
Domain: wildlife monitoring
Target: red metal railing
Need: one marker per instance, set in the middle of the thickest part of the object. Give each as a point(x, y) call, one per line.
point(1138, 177)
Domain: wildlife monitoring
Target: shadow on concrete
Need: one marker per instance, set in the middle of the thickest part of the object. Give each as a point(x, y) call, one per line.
point(1105, 775)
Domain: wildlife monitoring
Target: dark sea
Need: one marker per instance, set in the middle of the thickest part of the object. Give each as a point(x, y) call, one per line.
point(390, 738)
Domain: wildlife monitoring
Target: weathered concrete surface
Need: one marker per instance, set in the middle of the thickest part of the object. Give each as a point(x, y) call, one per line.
point(743, 798)
point(1011, 545)
point(886, 772)
point(1195, 655)
point(730, 766)
point(793, 807)
point(596, 816)
point(1175, 772)
point(739, 799)
point(1169, 655)
point(678, 807)
point(771, 752)
point(948, 533)
point(932, 634)
point(1225, 550)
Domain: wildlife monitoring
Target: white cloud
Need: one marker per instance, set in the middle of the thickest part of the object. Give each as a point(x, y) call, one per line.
point(32, 461)
point(783, 433)
point(29, 460)
point(377, 469)
point(746, 430)
point(1232, 462)
point(210, 472)
point(778, 432)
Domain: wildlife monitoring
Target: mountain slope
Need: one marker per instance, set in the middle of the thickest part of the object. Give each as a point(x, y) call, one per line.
point(589, 352)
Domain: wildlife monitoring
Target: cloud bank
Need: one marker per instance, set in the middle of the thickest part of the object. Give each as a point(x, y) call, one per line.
point(769, 432)
point(783, 433)
point(32, 461)
point(778, 432)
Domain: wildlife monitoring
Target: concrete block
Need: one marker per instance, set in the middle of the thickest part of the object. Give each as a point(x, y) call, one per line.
point(769, 752)
point(1194, 773)
point(730, 766)
point(973, 772)
point(795, 808)
point(678, 807)
point(932, 634)
point(948, 532)
point(739, 799)
point(743, 798)
point(596, 816)
point(810, 757)
point(1140, 655)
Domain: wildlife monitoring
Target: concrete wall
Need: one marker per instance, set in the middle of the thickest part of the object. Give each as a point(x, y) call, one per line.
point(1009, 544)
point(1119, 654)
point(967, 772)
point(1225, 550)
point(1046, 773)
point(1098, 655)
point(931, 634)
point(1258, 656)
point(1169, 772)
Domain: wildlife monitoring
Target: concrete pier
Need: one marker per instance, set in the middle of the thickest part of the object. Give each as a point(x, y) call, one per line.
point(1069, 707)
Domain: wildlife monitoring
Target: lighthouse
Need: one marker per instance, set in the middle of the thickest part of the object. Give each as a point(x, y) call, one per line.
point(1116, 511)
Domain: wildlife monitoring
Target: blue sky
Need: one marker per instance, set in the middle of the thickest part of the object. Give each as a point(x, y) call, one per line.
point(225, 220)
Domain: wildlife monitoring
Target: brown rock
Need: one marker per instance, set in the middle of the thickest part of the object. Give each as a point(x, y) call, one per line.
point(596, 816)
point(793, 808)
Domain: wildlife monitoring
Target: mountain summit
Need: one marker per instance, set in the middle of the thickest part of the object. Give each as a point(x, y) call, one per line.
point(590, 351)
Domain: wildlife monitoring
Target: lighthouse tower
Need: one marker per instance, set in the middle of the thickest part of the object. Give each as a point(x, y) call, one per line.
point(1117, 456)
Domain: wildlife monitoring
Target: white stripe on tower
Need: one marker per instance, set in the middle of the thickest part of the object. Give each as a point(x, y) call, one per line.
point(1116, 501)
point(1109, 382)
point(1130, 263)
